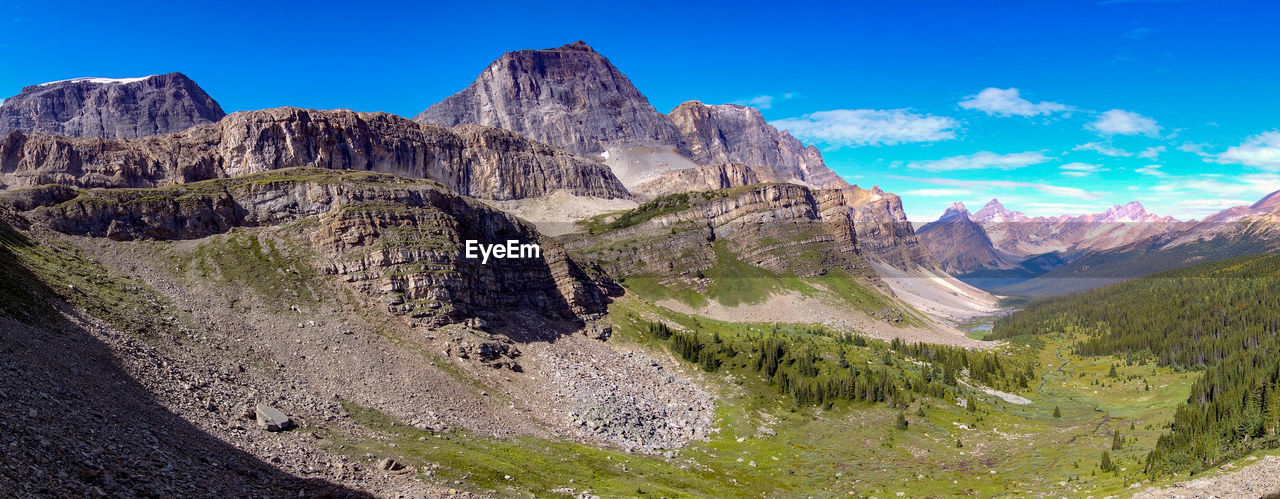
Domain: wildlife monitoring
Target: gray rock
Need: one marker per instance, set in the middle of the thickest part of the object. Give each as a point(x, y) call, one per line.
point(570, 97)
point(114, 109)
point(272, 419)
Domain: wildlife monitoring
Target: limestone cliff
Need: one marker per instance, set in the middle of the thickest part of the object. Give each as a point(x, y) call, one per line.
point(398, 240)
point(476, 161)
point(110, 108)
point(569, 97)
point(731, 133)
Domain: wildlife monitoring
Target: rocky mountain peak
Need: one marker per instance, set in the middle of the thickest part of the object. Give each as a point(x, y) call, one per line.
point(569, 97)
point(955, 213)
point(113, 108)
point(994, 212)
point(1268, 203)
point(731, 133)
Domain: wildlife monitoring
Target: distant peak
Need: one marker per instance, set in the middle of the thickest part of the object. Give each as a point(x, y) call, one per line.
point(957, 206)
point(955, 212)
point(578, 45)
point(993, 204)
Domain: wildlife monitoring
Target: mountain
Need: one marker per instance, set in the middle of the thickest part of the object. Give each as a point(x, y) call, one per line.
point(1236, 231)
point(730, 133)
point(569, 97)
point(1268, 203)
point(573, 98)
point(994, 212)
point(1017, 234)
point(110, 108)
point(477, 161)
point(959, 244)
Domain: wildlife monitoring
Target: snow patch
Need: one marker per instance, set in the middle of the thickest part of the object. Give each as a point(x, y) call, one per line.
point(100, 81)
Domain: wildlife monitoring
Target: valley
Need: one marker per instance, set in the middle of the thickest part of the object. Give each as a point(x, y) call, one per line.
point(543, 286)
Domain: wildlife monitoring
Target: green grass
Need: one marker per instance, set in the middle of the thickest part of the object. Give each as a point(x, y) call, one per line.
point(278, 272)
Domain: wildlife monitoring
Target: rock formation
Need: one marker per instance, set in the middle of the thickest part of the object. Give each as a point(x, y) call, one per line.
point(570, 97)
point(731, 133)
point(476, 161)
point(398, 240)
point(110, 108)
point(960, 245)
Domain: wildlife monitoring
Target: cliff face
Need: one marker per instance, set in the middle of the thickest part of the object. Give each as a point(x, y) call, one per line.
point(784, 228)
point(702, 178)
point(399, 241)
point(738, 134)
point(107, 108)
point(572, 97)
point(569, 97)
point(960, 245)
point(475, 161)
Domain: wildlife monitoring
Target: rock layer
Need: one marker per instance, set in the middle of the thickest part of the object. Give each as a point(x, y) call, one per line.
point(398, 240)
point(731, 133)
point(106, 108)
point(475, 161)
point(569, 97)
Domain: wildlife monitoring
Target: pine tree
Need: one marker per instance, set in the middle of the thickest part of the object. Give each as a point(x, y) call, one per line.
point(901, 423)
point(1116, 441)
point(1106, 465)
point(1057, 413)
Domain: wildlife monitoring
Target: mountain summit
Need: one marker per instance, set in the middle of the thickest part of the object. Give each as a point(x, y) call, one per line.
point(110, 108)
point(573, 98)
point(569, 97)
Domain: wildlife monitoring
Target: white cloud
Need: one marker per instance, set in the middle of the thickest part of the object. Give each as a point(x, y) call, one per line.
point(1121, 122)
point(1080, 169)
point(942, 193)
point(982, 185)
point(1259, 151)
point(1007, 102)
point(1151, 171)
point(1103, 149)
point(763, 101)
point(1152, 152)
point(984, 160)
point(862, 127)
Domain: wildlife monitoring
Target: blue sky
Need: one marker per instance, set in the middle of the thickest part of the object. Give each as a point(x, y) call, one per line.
point(1171, 103)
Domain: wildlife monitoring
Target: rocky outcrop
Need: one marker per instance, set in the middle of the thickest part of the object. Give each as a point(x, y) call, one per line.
point(400, 241)
point(960, 245)
point(883, 230)
point(110, 108)
point(702, 178)
point(730, 133)
point(570, 97)
point(783, 228)
point(476, 161)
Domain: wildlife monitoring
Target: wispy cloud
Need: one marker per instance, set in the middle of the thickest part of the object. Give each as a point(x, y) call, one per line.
point(763, 101)
point(1080, 169)
point(1259, 151)
point(1151, 171)
point(864, 127)
point(1152, 152)
point(985, 160)
point(986, 185)
point(1103, 149)
point(1008, 102)
point(1121, 122)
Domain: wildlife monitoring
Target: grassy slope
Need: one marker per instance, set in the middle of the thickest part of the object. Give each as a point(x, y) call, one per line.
point(852, 447)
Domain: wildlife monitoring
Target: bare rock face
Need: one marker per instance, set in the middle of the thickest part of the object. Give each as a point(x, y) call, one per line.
point(570, 97)
point(476, 161)
point(400, 241)
point(960, 245)
point(110, 108)
point(784, 228)
point(702, 178)
point(730, 133)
